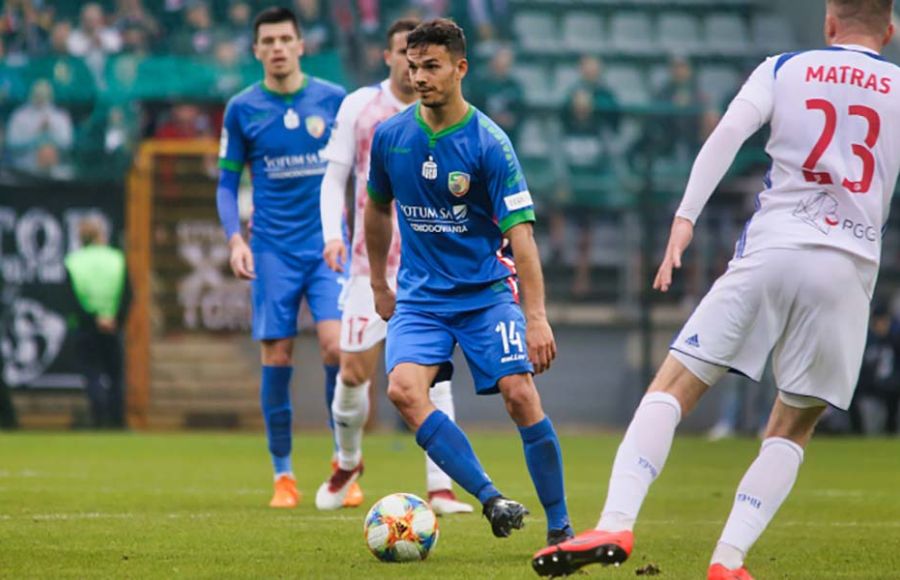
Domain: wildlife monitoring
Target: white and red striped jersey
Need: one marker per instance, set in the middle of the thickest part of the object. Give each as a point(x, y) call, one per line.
point(835, 149)
point(351, 144)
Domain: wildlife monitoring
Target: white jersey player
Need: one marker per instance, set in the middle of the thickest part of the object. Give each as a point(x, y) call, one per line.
point(362, 330)
point(799, 286)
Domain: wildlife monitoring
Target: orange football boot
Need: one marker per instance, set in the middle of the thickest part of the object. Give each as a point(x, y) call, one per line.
point(354, 497)
point(591, 547)
point(720, 572)
point(286, 494)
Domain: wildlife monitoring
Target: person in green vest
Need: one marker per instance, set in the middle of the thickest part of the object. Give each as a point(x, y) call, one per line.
point(98, 278)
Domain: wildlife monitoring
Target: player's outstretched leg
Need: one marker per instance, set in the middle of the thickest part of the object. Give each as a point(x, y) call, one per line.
point(440, 487)
point(275, 396)
point(639, 461)
point(766, 484)
point(448, 446)
point(542, 452)
point(350, 409)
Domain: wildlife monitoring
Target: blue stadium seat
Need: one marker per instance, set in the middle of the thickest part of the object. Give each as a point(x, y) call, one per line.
point(632, 33)
point(679, 33)
point(772, 34)
point(719, 82)
point(536, 84)
point(537, 32)
point(628, 84)
point(584, 32)
point(726, 34)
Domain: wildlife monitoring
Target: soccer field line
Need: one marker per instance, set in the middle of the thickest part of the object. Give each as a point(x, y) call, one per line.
point(315, 518)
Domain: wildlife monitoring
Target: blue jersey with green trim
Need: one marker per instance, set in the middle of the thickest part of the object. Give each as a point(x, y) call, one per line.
point(456, 191)
point(279, 137)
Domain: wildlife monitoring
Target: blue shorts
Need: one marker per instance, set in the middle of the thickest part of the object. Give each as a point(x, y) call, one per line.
point(282, 280)
point(492, 339)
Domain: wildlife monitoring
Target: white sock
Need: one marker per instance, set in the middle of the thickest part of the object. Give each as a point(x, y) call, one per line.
point(442, 397)
point(640, 459)
point(349, 409)
point(762, 491)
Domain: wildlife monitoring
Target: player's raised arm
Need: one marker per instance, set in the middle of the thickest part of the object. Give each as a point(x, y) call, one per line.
point(749, 111)
point(231, 164)
point(379, 230)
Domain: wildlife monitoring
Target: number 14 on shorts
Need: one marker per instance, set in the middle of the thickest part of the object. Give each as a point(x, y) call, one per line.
point(511, 337)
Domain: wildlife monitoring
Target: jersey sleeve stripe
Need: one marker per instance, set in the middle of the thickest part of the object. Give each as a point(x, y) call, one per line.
point(516, 218)
point(378, 197)
point(231, 165)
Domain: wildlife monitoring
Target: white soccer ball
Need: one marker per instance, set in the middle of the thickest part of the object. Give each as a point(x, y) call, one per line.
point(401, 528)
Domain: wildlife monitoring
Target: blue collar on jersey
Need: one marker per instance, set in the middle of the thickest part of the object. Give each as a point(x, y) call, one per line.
point(286, 97)
point(836, 48)
point(432, 136)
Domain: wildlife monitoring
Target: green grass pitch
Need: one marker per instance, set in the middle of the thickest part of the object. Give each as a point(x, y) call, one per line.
point(194, 506)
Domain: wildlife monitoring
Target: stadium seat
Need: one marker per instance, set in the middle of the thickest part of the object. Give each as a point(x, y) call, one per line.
point(584, 32)
point(628, 84)
point(719, 82)
point(772, 34)
point(536, 84)
point(726, 34)
point(679, 33)
point(632, 33)
point(536, 32)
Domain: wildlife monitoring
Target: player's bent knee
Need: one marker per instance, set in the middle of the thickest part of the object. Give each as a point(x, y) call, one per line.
point(402, 396)
point(277, 353)
point(521, 397)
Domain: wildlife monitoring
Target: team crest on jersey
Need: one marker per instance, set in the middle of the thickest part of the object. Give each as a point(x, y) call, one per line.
point(458, 182)
point(291, 119)
point(315, 126)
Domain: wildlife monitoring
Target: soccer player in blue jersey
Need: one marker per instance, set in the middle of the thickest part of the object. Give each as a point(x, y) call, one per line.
point(277, 127)
point(464, 211)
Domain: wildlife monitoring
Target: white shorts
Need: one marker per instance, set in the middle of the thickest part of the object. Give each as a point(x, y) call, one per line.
point(361, 327)
point(808, 308)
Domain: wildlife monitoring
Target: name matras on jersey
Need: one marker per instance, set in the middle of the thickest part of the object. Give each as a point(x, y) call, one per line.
point(288, 166)
point(437, 220)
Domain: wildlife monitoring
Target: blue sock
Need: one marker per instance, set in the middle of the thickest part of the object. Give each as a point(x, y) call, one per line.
point(544, 459)
point(449, 447)
point(331, 373)
point(275, 396)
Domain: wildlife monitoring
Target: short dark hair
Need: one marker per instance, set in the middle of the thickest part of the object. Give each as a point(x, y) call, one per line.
point(440, 32)
point(275, 15)
point(873, 15)
point(401, 25)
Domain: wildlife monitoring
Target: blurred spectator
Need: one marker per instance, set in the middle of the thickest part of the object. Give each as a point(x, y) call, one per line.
point(490, 17)
point(25, 27)
point(586, 156)
point(12, 85)
point(69, 75)
point(185, 121)
point(315, 23)
point(604, 101)
point(131, 15)
point(240, 28)
point(228, 75)
point(94, 41)
point(197, 36)
point(879, 377)
point(39, 134)
point(498, 94)
point(98, 279)
point(680, 134)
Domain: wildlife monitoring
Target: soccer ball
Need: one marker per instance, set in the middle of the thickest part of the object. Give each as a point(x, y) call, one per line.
point(401, 528)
